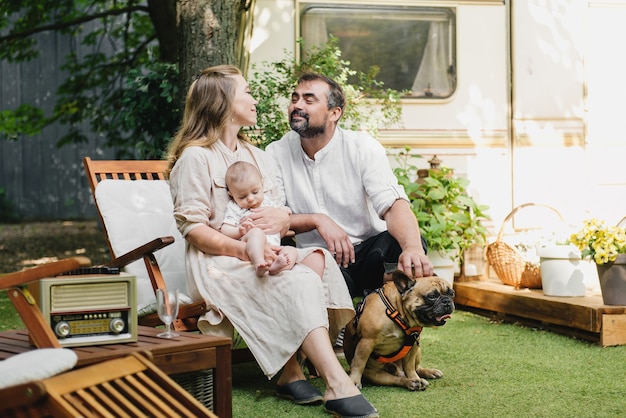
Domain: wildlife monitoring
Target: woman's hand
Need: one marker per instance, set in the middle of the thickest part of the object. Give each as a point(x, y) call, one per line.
point(211, 241)
point(270, 253)
point(270, 220)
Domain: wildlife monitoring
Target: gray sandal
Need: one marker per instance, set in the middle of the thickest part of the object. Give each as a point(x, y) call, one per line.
point(352, 407)
point(301, 392)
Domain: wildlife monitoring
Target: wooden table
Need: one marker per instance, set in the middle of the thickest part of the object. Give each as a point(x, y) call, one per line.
point(185, 354)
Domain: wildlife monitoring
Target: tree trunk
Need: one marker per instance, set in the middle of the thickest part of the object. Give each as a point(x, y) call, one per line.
point(208, 35)
point(163, 16)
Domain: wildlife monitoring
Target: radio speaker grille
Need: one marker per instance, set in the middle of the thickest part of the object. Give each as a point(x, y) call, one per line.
point(89, 296)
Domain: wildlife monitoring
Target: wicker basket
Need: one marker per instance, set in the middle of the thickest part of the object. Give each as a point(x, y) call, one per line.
point(199, 384)
point(509, 264)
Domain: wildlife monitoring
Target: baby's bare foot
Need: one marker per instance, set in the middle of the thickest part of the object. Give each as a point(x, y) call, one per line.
point(262, 269)
point(286, 259)
point(280, 264)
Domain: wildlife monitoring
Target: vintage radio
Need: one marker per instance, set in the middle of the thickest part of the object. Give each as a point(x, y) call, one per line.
point(89, 309)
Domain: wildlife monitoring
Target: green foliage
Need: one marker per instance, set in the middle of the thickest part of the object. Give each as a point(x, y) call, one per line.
point(150, 113)
point(26, 119)
point(119, 74)
point(369, 105)
point(449, 218)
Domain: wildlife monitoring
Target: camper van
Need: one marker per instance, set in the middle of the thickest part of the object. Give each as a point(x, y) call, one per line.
point(525, 98)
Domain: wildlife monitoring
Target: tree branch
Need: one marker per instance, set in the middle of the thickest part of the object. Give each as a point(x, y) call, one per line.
point(64, 25)
point(140, 48)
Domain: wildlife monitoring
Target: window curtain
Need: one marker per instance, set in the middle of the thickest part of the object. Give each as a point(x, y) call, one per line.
point(314, 31)
point(435, 74)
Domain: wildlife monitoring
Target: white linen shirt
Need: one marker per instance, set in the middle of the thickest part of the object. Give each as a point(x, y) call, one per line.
point(350, 180)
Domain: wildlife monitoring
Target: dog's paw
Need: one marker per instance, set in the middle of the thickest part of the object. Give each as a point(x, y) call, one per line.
point(357, 382)
point(416, 384)
point(430, 373)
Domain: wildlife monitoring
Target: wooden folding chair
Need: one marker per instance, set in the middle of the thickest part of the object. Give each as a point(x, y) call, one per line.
point(40, 333)
point(144, 179)
point(125, 387)
point(98, 171)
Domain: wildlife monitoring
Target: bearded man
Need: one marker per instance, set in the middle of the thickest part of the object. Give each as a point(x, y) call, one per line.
point(342, 190)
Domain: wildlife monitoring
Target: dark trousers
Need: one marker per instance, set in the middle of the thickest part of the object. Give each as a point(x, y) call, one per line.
point(366, 274)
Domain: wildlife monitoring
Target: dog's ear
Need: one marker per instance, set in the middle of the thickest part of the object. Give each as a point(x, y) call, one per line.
point(402, 281)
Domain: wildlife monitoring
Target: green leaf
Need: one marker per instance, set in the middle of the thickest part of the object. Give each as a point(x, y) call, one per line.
point(25, 120)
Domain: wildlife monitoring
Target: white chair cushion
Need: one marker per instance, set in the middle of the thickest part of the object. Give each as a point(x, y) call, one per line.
point(134, 213)
point(35, 365)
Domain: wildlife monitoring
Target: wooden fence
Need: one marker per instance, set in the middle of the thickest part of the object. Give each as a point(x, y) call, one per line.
point(39, 181)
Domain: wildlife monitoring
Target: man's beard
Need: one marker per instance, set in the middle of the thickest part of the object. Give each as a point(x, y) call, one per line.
point(303, 128)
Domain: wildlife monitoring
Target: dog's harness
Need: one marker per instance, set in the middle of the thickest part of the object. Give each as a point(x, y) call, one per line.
point(411, 335)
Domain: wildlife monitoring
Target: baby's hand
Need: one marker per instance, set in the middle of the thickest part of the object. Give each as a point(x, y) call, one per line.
point(247, 225)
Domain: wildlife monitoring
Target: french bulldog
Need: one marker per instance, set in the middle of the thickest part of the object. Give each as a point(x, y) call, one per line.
point(381, 343)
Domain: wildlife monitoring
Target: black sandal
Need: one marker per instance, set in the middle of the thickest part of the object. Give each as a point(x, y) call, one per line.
point(300, 392)
point(352, 407)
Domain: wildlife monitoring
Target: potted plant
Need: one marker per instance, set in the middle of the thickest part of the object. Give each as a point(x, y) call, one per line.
point(450, 220)
point(606, 245)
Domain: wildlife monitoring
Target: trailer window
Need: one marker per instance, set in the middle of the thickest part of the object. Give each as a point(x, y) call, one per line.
point(412, 46)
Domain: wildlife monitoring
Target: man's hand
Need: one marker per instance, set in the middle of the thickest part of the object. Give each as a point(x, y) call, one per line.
point(270, 220)
point(337, 240)
point(402, 225)
point(414, 263)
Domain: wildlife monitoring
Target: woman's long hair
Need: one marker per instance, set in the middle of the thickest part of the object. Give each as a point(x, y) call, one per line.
point(207, 109)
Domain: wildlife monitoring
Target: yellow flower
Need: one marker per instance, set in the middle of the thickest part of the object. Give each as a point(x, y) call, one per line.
point(599, 242)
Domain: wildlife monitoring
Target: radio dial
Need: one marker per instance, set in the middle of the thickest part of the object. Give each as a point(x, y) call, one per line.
point(116, 325)
point(62, 329)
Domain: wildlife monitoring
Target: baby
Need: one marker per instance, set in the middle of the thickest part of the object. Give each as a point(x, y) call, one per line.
point(245, 187)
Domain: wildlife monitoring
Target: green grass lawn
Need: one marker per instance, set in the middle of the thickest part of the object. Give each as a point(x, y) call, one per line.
point(490, 370)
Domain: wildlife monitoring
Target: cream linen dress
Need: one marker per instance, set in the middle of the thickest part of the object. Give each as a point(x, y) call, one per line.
point(273, 314)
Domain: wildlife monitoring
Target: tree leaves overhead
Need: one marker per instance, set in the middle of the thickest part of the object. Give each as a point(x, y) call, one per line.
point(21, 20)
point(117, 42)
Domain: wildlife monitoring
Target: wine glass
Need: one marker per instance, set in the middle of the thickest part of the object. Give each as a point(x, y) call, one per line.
point(167, 308)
